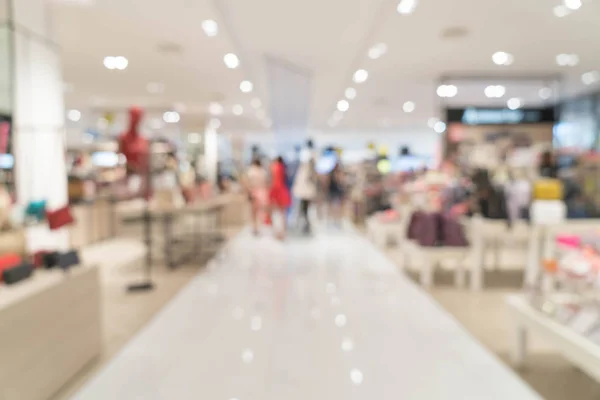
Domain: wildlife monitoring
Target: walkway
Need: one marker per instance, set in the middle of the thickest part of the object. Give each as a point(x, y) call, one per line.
point(325, 318)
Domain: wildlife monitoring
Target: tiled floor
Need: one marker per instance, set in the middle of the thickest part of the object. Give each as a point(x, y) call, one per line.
point(322, 318)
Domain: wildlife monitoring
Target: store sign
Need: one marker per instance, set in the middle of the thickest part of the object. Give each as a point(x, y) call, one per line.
point(500, 116)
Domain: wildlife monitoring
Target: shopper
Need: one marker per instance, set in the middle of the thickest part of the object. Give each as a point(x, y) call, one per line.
point(305, 189)
point(279, 195)
point(548, 167)
point(335, 191)
point(256, 183)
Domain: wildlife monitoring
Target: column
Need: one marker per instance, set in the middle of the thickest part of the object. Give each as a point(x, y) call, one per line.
point(38, 109)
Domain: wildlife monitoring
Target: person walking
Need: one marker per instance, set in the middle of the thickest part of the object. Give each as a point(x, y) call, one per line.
point(305, 189)
point(256, 184)
point(336, 194)
point(279, 195)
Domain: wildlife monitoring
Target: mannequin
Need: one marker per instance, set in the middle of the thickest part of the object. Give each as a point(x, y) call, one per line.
point(133, 145)
point(136, 150)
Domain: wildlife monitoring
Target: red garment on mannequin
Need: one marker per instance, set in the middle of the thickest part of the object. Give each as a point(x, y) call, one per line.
point(133, 145)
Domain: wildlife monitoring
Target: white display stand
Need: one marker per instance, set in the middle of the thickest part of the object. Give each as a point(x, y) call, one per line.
point(50, 328)
point(577, 349)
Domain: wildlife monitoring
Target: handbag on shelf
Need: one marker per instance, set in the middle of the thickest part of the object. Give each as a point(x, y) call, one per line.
point(68, 259)
point(548, 189)
point(36, 210)
point(17, 273)
point(60, 218)
point(9, 261)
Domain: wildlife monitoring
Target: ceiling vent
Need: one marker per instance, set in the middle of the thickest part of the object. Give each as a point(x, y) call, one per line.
point(169, 48)
point(454, 32)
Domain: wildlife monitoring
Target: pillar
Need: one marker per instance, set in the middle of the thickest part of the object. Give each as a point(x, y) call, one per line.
point(38, 129)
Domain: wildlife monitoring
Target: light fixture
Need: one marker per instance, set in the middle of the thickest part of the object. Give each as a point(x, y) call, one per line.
point(343, 105)
point(74, 115)
point(356, 376)
point(573, 4)
point(255, 103)
point(155, 87)
point(347, 344)
point(360, 76)
point(171, 117)
point(502, 58)
point(214, 123)
point(513, 103)
point(256, 324)
point(408, 107)
point(590, 77)
point(545, 93)
point(210, 27)
point(494, 91)
point(567, 60)
point(341, 320)
point(215, 108)
point(447, 91)
point(439, 127)
point(561, 11)
point(237, 109)
point(247, 356)
point(231, 60)
point(350, 93)
point(406, 7)
point(377, 51)
point(119, 62)
point(194, 138)
point(246, 86)
point(432, 121)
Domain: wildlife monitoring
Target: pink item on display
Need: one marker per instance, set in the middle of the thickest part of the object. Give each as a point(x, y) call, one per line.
point(388, 216)
point(4, 135)
point(568, 241)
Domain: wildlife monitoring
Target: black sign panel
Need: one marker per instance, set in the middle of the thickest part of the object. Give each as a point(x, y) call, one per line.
point(500, 116)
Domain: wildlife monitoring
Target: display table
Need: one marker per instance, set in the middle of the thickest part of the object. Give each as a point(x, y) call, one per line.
point(50, 328)
point(576, 348)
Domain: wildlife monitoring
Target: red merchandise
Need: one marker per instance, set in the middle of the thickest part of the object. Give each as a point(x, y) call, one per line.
point(133, 145)
point(59, 218)
point(9, 261)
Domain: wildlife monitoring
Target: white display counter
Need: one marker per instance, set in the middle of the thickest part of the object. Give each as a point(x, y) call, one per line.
point(582, 352)
point(50, 328)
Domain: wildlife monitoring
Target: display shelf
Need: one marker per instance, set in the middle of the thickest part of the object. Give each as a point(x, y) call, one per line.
point(50, 328)
point(578, 349)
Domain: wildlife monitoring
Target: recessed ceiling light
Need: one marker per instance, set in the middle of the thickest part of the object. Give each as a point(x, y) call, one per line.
point(347, 344)
point(194, 137)
point(155, 87)
point(545, 93)
point(247, 356)
point(502, 58)
point(406, 7)
point(408, 107)
point(171, 117)
point(343, 105)
point(447, 91)
point(377, 51)
point(573, 4)
point(494, 91)
point(360, 76)
point(231, 60)
point(74, 115)
point(561, 11)
point(215, 108)
point(567, 60)
point(432, 121)
point(237, 109)
point(246, 86)
point(214, 123)
point(590, 77)
point(439, 127)
point(255, 102)
point(210, 27)
point(119, 62)
point(514, 103)
point(356, 376)
point(350, 93)
point(341, 320)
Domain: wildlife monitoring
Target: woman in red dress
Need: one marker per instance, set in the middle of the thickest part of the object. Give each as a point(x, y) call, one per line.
point(279, 194)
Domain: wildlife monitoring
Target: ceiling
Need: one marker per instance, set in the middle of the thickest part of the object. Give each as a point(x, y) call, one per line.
point(323, 42)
